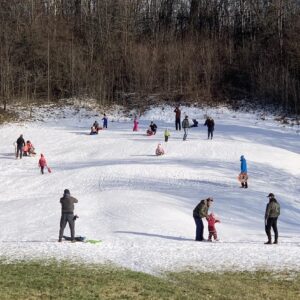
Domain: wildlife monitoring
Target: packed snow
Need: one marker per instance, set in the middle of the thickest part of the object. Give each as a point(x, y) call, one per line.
point(139, 205)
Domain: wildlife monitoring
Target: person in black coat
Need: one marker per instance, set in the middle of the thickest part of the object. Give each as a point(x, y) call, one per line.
point(20, 145)
point(153, 127)
point(210, 123)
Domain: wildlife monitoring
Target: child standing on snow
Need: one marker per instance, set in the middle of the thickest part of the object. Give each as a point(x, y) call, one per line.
point(42, 163)
point(105, 121)
point(167, 134)
point(135, 124)
point(212, 220)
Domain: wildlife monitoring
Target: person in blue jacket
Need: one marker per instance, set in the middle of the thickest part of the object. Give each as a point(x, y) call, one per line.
point(105, 121)
point(243, 175)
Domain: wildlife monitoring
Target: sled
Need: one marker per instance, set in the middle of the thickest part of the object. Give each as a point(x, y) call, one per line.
point(82, 239)
point(49, 169)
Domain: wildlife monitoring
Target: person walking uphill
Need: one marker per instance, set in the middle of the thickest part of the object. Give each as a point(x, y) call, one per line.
point(177, 112)
point(20, 145)
point(199, 212)
point(271, 217)
point(42, 163)
point(210, 123)
point(67, 214)
point(185, 126)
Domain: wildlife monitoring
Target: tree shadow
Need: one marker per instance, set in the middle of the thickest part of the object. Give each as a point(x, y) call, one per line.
point(167, 237)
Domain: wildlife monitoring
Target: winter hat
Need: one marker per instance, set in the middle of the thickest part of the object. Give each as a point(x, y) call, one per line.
point(271, 195)
point(242, 157)
point(66, 192)
point(42, 155)
point(210, 199)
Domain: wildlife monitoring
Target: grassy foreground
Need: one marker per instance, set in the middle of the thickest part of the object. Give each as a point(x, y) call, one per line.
point(35, 280)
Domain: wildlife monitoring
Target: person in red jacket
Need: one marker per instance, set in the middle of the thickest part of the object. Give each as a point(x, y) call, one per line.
point(42, 163)
point(212, 220)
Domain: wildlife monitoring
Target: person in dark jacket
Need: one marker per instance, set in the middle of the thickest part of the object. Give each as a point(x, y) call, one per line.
point(105, 121)
point(195, 123)
point(210, 123)
point(200, 212)
point(20, 145)
point(271, 216)
point(185, 126)
point(67, 214)
point(177, 112)
point(153, 127)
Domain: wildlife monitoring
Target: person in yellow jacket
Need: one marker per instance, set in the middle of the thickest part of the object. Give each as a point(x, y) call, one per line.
point(167, 134)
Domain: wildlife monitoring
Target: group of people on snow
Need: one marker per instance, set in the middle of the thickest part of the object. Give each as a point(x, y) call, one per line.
point(24, 149)
point(200, 212)
point(96, 127)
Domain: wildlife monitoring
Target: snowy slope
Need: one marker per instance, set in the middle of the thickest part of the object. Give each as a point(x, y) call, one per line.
point(141, 205)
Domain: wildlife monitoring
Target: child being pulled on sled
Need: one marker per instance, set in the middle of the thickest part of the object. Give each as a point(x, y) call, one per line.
point(212, 220)
point(159, 150)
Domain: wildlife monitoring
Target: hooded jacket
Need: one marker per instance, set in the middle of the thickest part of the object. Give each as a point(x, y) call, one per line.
point(201, 210)
point(42, 161)
point(243, 164)
point(67, 203)
point(272, 209)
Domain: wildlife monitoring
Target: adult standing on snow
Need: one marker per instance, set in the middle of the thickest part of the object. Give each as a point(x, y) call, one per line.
point(20, 145)
point(185, 126)
point(210, 123)
point(271, 215)
point(243, 177)
point(199, 212)
point(177, 112)
point(67, 214)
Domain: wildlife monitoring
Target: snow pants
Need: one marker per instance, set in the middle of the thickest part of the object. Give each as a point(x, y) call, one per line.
point(199, 229)
point(67, 218)
point(185, 133)
point(19, 150)
point(212, 234)
point(177, 124)
point(272, 223)
point(210, 133)
point(166, 138)
point(42, 169)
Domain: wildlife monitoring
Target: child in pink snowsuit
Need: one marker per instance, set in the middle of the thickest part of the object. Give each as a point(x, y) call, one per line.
point(159, 150)
point(212, 220)
point(42, 163)
point(135, 124)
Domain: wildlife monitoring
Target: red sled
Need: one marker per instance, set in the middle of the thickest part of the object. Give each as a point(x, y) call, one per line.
point(49, 170)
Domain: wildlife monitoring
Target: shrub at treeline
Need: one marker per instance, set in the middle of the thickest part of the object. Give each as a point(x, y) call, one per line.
point(121, 51)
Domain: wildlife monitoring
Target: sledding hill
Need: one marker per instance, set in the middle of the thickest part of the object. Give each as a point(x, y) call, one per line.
point(141, 205)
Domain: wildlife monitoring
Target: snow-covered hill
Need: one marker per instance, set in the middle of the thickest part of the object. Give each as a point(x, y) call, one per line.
point(141, 205)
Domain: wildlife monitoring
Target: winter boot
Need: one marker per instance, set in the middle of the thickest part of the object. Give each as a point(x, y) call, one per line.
point(268, 243)
point(246, 185)
point(243, 185)
point(275, 242)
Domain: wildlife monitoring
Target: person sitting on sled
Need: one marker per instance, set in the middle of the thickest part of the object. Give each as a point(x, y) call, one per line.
point(159, 150)
point(212, 220)
point(93, 130)
point(97, 126)
point(153, 127)
point(195, 123)
point(28, 149)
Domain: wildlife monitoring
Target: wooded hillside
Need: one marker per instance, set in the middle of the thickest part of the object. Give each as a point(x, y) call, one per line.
point(115, 50)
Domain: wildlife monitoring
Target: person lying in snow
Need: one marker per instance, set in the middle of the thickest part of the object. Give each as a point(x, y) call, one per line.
point(212, 220)
point(159, 150)
point(28, 149)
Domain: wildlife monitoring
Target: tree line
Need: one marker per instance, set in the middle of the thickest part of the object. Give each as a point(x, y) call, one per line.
point(119, 51)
